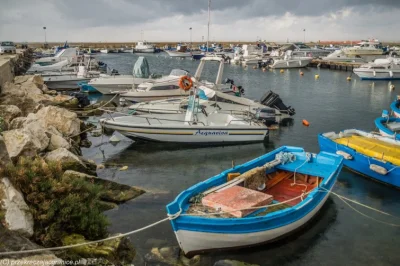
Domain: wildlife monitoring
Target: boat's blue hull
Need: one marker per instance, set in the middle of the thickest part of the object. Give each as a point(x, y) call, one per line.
point(385, 131)
point(360, 163)
point(395, 109)
point(196, 233)
point(85, 87)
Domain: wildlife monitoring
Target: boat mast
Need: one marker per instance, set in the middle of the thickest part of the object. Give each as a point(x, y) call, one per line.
point(208, 27)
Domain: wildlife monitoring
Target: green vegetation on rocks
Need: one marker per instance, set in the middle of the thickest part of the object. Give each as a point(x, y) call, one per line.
point(60, 205)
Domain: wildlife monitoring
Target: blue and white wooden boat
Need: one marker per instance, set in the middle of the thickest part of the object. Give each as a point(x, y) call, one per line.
point(388, 126)
point(312, 175)
point(85, 87)
point(365, 161)
point(395, 106)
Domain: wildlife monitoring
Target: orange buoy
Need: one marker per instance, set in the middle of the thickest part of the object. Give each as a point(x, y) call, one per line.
point(264, 69)
point(305, 122)
point(301, 73)
point(254, 67)
point(185, 83)
point(282, 71)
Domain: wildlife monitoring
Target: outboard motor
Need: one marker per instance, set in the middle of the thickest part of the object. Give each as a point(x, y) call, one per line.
point(273, 100)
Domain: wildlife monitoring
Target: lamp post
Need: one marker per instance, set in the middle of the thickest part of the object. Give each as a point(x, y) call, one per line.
point(304, 30)
point(190, 37)
point(45, 40)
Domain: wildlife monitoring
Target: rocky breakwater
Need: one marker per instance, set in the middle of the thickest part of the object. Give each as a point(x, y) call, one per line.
point(49, 194)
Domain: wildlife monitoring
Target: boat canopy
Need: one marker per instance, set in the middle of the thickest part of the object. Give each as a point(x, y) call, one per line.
point(141, 68)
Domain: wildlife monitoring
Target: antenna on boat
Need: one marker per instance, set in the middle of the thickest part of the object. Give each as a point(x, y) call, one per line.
point(208, 27)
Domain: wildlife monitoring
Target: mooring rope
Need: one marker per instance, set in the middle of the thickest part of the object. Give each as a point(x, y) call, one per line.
point(179, 213)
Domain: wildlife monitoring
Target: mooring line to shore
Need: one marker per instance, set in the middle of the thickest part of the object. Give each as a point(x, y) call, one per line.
point(179, 213)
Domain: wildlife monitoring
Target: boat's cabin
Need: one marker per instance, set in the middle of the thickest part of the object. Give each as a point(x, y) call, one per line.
point(141, 44)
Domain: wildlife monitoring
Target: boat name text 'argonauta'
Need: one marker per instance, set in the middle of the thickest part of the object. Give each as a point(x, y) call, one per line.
point(212, 133)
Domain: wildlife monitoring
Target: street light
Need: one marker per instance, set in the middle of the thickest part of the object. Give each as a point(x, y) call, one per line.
point(45, 41)
point(190, 37)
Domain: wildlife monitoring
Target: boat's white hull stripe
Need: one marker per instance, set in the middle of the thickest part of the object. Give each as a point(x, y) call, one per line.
point(191, 241)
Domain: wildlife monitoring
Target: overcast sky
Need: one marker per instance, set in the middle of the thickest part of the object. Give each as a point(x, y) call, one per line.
point(170, 20)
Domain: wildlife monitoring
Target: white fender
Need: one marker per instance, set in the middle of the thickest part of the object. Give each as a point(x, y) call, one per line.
point(345, 155)
point(391, 74)
point(374, 73)
point(379, 169)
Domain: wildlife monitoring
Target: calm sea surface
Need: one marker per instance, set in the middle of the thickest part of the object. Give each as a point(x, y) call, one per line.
point(338, 236)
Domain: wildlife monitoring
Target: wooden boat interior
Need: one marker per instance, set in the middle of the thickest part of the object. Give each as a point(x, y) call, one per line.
point(282, 185)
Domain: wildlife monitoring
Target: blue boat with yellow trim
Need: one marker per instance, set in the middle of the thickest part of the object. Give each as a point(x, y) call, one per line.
point(368, 154)
point(257, 202)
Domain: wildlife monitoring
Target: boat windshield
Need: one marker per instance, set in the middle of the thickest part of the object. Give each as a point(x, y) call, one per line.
point(179, 72)
point(302, 46)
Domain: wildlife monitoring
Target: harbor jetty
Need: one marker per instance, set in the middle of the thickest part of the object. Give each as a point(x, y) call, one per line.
point(49, 194)
point(346, 66)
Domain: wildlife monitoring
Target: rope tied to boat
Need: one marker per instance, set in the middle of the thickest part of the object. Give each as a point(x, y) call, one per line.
point(308, 159)
point(179, 213)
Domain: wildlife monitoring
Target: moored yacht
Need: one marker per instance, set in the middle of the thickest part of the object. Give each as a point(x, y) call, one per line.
point(144, 47)
point(341, 56)
point(380, 69)
point(370, 47)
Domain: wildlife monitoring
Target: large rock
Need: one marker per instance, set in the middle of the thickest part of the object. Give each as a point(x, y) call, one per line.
point(4, 158)
point(57, 142)
point(17, 123)
point(70, 161)
point(12, 241)
point(28, 141)
point(114, 192)
point(14, 212)
point(118, 250)
point(9, 112)
point(172, 256)
point(25, 103)
point(63, 120)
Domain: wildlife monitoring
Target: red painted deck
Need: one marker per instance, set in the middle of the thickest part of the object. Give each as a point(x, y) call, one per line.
point(284, 190)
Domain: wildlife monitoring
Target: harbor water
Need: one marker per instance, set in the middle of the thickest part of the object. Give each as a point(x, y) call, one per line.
point(339, 235)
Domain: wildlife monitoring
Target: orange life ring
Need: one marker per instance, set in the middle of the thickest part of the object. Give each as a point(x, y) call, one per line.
point(185, 83)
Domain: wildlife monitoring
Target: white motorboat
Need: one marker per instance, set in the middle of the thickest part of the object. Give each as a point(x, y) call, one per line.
point(68, 81)
point(105, 51)
point(195, 127)
point(290, 61)
point(162, 88)
point(341, 56)
point(248, 55)
point(380, 69)
point(211, 100)
point(64, 54)
point(113, 84)
point(301, 47)
point(168, 87)
point(181, 51)
point(144, 47)
point(36, 68)
point(370, 47)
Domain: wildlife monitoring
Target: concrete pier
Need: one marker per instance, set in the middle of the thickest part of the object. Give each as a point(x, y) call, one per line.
point(12, 64)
